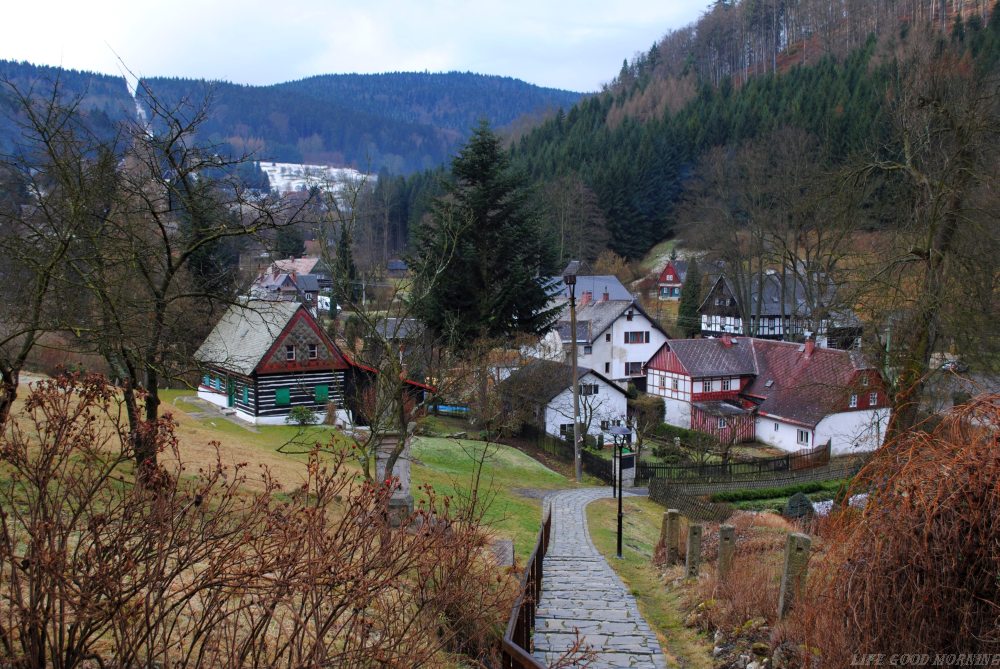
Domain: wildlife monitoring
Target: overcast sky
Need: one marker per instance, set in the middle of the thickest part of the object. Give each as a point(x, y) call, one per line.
point(571, 44)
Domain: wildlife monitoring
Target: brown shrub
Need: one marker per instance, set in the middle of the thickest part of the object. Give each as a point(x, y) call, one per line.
point(191, 569)
point(916, 570)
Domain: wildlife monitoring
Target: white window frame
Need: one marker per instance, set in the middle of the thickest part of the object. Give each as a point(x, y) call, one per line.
point(706, 386)
point(853, 402)
point(630, 365)
point(802, 437)
point(872, 399)
point(313, 351)
point(721, 424)
point(289, 352)
point(726, 384)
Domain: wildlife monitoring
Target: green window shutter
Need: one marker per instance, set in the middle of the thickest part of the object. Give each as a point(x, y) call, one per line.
point(322, 393)
point(283, 396)
point(246, 394)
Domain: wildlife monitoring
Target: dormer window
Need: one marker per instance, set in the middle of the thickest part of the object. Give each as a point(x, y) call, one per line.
point(289, 352)
point(628, 315)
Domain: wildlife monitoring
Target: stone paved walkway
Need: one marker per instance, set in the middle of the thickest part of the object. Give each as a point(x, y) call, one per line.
point(581, 592)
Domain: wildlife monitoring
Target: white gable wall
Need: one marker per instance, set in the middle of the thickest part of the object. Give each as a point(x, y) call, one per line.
point(608, 404)
point(610, 357)
point(781, 434)
point(853, 431)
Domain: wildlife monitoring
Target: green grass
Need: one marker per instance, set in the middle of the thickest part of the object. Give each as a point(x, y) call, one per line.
point(653, 262)
point(449, 466)
point(659, 604)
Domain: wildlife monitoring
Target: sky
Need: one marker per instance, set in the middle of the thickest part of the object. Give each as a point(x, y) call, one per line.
point(576, 45)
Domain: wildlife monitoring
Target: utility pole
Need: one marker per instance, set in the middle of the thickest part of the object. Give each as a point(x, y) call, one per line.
point(569, 278)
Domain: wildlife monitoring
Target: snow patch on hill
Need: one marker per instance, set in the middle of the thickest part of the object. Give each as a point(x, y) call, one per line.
point(289, 177)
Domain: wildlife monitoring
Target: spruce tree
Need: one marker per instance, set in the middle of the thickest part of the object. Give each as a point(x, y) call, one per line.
point(688, 320)
point(481, 256)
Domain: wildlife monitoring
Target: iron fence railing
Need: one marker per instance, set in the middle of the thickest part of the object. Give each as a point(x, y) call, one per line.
point(734, 469)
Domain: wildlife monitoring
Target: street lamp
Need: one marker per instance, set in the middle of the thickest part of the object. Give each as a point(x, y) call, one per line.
point(569, 278)
point(620, 433)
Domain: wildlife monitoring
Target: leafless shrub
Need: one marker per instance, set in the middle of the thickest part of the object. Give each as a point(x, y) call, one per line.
point(192, 570)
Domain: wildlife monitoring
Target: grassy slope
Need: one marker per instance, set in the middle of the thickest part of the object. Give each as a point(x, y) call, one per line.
point(445, 464)
point(659, 605)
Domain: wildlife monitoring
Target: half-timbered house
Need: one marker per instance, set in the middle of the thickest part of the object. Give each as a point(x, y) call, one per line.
point(791, 396)
point(265, 358)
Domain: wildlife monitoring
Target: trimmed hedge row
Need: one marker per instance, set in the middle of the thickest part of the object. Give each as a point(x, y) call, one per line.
point(773, 493)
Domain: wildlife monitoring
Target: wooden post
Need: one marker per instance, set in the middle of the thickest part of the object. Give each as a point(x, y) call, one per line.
point(671, 535)
point(693, 551)
point(793, 577)
point(727, 547)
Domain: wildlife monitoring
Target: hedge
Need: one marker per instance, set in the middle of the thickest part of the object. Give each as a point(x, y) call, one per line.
point(774, 493)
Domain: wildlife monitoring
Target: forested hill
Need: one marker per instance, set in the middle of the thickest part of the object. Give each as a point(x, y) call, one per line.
point(401, 121)
point(747, 69)
point(103, 100)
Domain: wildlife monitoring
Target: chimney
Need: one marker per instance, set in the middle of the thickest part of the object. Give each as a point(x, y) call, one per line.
point(605, 296)
point(727, 341)
point(586, 298)
point(810, 347)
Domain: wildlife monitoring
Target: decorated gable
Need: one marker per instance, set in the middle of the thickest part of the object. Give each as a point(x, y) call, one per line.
point(302, 346)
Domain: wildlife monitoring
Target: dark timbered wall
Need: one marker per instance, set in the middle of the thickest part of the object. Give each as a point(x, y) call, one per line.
point(301, 389)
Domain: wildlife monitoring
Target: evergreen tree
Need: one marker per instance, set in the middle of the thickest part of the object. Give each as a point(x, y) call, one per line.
point(687, 311)
point(345, 271)
point(480, 256)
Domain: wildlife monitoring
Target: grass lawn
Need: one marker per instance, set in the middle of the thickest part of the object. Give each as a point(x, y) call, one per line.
point(445, 464)
point(659, 605)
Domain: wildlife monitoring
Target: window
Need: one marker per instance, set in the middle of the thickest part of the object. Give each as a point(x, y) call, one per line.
point(872, 399)
point(607, 368)
point(853, 402)
point(722, 423)
point(864, 380)
point(587, 350)
point(313, 351)
point(566, 430)
point(706, 386)
point(289, 352)
point(588, 388)
point(725, 384)
point(321, 394)
point(605, 425)
point(720, 301)
point(676, 384)
point(803, 437)
point(628, 315)
point(633, 369)
point(283, 396)
point(638, 337)
point(776, 426)
point(607, 337)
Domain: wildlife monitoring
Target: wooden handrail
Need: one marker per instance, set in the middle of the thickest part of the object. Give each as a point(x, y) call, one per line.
point(516, 643)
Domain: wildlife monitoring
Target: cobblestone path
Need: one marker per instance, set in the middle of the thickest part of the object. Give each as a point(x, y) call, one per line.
point(581, 592)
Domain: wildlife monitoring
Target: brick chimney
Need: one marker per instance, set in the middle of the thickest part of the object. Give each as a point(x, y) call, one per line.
point(586, 298)
point(810, 347)
point(605, 296)
point(727, 341)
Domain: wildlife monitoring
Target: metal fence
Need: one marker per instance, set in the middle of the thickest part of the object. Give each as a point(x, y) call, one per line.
point(735, 469)
point(516, 644)
point(597, 466)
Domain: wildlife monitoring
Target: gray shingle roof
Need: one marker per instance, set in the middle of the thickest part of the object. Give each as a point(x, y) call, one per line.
point(594, 318)
point(244, 334)
point(596, 285)
point(541, 380)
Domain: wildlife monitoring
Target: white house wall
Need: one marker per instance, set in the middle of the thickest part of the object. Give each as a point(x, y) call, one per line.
point(609, 357)
point(853, 431)
point(609, 404)
point(780, 434)
point(676, 401)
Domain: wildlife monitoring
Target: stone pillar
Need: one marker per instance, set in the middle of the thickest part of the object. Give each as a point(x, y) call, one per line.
point(727, 547)
point(670, 535)
point(793, 577)
point(401, 502)
point(693, 551)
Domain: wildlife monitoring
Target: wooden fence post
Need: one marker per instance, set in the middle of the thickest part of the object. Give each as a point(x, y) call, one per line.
point(793, 577)
point(670, 535)
point(693, 551)
point(727, 548)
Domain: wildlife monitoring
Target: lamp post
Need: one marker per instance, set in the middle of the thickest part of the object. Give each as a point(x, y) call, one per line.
point(620, 432)
point(569, 278)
